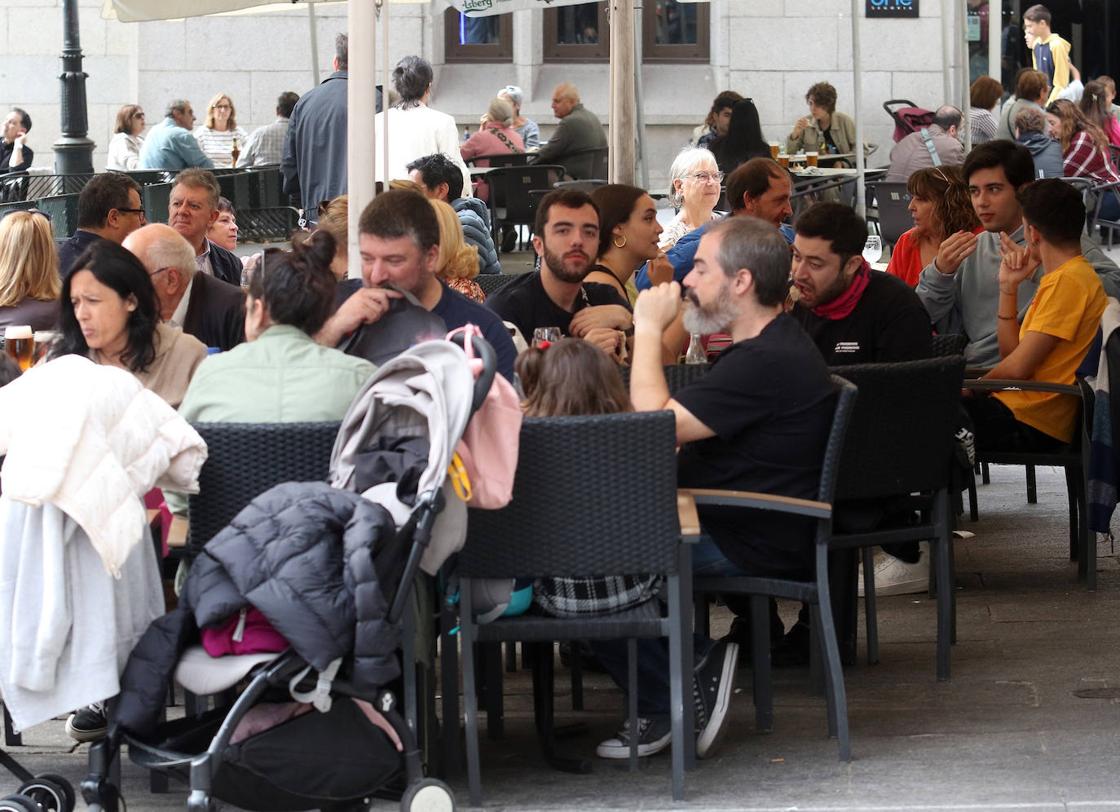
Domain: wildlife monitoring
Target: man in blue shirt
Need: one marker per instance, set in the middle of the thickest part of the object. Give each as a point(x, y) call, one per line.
point(170, 145)
point(398, 234)
point(758, 188)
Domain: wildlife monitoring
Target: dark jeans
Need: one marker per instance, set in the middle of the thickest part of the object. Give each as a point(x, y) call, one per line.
point(1110, 207)
point(653, 653)
point(997, 429)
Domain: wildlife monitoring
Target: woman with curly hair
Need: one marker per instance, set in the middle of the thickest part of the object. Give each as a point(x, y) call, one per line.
point(824, 129)
point(457, 265)
point(941, 207)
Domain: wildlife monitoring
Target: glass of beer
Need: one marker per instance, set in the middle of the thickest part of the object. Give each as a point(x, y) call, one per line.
point(44, 340)
point(783, 159)
point(811, 158)
point(19, 343)
point(775, 148)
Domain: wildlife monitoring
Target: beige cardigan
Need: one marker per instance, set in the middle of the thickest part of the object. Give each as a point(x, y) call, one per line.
point(178, 355)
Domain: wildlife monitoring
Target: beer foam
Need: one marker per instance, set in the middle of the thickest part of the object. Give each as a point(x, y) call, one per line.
point(17, 331)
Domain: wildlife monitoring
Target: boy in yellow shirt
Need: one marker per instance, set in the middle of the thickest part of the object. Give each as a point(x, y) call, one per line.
point(1058, 329)
point(1049, 52)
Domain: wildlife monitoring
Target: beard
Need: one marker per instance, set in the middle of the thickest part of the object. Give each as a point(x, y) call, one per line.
point(570, 270)
point(838, 286)
point(716, 317)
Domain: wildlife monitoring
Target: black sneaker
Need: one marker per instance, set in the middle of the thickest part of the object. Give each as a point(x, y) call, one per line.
point(88, 724)
point(712, 682)
point(654, 735)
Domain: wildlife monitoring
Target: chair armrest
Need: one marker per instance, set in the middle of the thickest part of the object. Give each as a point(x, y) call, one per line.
point(1000, 385)
point(686, 513)
point(759, 501)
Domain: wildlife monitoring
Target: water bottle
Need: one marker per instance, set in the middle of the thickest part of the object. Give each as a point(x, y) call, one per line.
point(466, 134)
point(695, 353)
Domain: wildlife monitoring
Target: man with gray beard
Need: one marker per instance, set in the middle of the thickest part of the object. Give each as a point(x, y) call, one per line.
point(758, 421)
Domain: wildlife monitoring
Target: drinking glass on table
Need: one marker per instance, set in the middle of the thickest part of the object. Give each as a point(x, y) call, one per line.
point(873, 248)
point(19, 343)
point(544, 336)
point(775, 148)
point(44, 340)
point(811, 158)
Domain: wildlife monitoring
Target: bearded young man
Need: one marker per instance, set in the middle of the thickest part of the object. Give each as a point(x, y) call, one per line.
point(758, 421)
point(566, 238)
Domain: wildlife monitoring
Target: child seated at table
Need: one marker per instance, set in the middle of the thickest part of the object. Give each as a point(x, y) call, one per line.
point(567, 378)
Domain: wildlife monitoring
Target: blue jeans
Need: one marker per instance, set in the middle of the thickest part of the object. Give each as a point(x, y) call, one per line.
point(653, 653)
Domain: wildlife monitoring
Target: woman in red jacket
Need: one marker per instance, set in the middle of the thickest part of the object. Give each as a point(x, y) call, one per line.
point(940, 206)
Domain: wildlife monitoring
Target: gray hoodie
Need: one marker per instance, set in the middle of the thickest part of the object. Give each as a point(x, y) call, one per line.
point(967, 301)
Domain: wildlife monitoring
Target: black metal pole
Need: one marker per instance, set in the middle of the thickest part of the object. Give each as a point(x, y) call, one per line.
point(73, 152)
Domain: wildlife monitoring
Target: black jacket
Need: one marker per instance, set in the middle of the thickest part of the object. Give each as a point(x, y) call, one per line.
point(312, 559)
point(225, 264)
point(73, 247)
point(215, 313)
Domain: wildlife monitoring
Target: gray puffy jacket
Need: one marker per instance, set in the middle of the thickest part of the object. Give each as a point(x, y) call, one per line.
point(475, 220)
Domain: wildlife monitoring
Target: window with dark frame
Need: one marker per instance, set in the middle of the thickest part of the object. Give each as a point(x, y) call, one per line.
point(675, 32)
point(671, 32)
point(577, 33)
point(477, 39)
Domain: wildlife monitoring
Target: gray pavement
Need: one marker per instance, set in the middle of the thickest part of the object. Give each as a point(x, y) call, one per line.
point(1029, 720)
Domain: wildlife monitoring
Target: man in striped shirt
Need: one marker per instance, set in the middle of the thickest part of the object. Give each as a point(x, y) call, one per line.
point(266, 144)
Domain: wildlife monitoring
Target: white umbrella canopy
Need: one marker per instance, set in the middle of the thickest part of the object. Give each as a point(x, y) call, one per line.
point(137, 11)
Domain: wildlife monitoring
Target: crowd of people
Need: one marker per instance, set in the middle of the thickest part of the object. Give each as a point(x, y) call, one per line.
point(998, 253)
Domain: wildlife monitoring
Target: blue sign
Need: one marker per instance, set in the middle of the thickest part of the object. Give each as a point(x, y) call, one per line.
point(891, 8)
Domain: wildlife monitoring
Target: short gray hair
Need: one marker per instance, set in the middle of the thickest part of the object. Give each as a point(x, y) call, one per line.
point(176, 106)
point(754, 244)
point(687, 160)
point(1030, 120)
point(169, 250)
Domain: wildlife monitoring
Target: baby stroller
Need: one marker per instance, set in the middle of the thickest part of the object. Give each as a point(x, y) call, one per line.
point(907, 117)
point(335, 759)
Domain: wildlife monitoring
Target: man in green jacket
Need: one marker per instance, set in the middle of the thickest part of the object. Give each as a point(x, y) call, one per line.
point(580, 132)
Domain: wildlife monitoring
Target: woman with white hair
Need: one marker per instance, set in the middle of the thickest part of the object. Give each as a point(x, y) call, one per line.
point(527, 128)
point(695, 189)
point(415, 129)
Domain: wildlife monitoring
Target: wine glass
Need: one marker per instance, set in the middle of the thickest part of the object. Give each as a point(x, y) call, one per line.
point(873, 248)
point(544, 336)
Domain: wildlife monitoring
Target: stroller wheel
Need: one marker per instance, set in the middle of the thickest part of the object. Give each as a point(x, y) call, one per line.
point(428, 795)
point(18, 803)
point(51, 791)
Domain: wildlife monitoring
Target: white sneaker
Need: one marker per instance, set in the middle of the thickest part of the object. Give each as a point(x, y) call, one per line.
point(896, 577)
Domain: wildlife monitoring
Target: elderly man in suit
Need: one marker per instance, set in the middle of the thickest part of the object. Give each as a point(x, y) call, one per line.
point(211, 310)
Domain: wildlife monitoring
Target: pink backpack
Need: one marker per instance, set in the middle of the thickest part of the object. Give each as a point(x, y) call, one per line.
point(488, 448)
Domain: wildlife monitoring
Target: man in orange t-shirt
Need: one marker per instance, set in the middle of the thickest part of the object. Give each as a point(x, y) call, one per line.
point(1057, 331)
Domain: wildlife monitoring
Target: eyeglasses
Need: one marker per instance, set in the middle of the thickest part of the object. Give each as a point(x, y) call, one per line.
point(706, 177)
point(223, 107)
point(137, 115)
point(40, 212)
point(158, 271)
point(129, 211)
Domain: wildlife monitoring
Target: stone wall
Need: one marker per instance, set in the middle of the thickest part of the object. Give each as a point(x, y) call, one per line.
point(770, 50)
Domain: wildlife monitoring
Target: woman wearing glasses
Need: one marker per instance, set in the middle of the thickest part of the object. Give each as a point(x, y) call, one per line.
point(218, 135)
point(941, 207)
point(124, 148)
point(694, 192)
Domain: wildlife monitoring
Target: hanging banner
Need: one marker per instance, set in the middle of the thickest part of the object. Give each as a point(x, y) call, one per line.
point(892, 8)
point(487, 8)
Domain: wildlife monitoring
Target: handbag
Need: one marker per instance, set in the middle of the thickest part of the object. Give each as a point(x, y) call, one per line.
point(485, 460)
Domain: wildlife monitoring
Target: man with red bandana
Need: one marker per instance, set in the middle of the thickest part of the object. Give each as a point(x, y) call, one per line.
point(566, 238)
point(853, 314)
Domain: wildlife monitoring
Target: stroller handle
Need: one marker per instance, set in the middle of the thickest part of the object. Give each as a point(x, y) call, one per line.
point(485, 352)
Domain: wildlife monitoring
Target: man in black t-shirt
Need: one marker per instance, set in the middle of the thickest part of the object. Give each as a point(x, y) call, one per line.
point(758, 421)
point(566, 238)
point(15, 155)
point(853, 314)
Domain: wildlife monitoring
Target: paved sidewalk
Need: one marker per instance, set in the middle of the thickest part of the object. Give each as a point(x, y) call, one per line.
point(1029, 721)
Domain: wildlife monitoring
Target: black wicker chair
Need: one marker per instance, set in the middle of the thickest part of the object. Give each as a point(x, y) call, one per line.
point(510, 201)
point(815, 592)
point(677, 376)
point(947, 344)
point(1073, 458)
point(584, 462)
point(245, 460)
point(887, 462)
point(491, 283)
